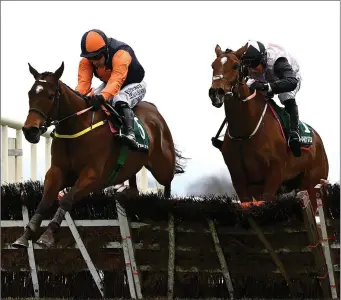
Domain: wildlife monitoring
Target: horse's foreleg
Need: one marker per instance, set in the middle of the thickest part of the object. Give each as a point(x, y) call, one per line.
point(273, 181)
point(242, 192)
point(52, 185)
point(88, 181)
point(240, 185)
point(167, 191)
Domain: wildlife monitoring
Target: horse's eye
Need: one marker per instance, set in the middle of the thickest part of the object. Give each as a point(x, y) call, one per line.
point(236, 67)
point(51, 97)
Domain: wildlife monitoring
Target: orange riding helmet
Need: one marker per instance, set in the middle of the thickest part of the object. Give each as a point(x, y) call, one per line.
point(94, 42)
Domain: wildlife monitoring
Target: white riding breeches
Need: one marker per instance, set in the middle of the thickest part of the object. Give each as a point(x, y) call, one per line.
point(132, 93)
point(290, 95)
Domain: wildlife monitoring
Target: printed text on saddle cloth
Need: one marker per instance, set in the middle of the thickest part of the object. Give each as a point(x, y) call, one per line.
point(132, 93)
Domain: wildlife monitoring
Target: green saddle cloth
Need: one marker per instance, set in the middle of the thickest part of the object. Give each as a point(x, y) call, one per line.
point(306, 131)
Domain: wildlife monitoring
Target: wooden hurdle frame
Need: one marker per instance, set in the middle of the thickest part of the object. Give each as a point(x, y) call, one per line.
point(319, 241)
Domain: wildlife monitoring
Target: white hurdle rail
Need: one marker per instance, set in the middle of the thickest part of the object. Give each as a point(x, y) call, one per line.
point(12, 152)
point(12, 156)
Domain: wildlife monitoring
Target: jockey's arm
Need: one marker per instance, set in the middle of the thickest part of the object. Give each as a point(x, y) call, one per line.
point(120, 62)
point(287, 80)
point(85, 74)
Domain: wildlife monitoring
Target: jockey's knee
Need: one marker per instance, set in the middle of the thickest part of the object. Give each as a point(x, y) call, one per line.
point(131, 94)
point(134, 92)
point(288, 96)
point(120, 98)
point(119, 105)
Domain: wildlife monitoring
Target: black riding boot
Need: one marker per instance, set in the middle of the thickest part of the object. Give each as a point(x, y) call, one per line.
point(294, 137)
point(128, 134)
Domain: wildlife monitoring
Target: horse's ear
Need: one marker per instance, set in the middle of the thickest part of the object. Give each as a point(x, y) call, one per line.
point(60, 71)
point(218, 50)
point(33, 71)
point(241, 51)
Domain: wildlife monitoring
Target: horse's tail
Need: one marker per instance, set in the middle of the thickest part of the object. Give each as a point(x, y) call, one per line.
point(180, 162)
point(324, 154)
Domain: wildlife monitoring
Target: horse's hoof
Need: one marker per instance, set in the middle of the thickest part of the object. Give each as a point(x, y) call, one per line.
point(45, 243)
point(46, 240)
point(21, 242)
point(250, 204)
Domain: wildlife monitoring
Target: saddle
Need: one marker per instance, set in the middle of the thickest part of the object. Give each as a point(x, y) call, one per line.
point(305, 130)
point(116, 123)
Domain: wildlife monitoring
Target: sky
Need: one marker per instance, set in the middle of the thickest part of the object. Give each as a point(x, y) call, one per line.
point(175, 42)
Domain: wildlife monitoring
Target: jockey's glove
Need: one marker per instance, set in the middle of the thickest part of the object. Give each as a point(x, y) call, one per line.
point(260, 86)
point(96, 101)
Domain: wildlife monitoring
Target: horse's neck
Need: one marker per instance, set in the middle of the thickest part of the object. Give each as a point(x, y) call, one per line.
point(71, 103)
point(243, 117)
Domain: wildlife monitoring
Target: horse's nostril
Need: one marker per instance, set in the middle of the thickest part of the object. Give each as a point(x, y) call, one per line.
point(212, 93)
point(33, 130)
point(220, 92)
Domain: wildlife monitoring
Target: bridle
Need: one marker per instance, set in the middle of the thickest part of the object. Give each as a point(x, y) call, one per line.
point(240, 67)
point(48, 119)
point(231, 93)
point(56, 104)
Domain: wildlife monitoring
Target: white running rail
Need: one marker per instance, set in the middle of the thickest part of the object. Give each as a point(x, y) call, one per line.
point(12, 152)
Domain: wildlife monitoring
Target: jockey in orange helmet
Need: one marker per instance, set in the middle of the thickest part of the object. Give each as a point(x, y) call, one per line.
point(116, 65)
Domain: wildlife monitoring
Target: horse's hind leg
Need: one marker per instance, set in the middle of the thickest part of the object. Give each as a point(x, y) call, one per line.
point(167, 186)
point(167, 191)
point(52, 185)
point(162, 166)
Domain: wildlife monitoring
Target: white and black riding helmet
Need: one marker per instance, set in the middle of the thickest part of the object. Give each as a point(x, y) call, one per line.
point(254, 55)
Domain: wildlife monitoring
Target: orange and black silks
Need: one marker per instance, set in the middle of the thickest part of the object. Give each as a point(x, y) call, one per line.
point(121, 68)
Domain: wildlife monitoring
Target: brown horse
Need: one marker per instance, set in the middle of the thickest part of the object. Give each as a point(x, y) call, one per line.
point(254, 148)
point(85, 163)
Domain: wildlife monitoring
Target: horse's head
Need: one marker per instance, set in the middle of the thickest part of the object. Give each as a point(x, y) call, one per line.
point(227, 73)
point(43, 103)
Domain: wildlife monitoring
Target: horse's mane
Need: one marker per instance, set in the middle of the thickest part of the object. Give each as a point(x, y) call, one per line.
point(228, 50)
point(77, 93)
point(45, 74)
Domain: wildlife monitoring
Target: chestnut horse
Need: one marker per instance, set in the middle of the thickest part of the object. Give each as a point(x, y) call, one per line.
point(86, 162)
point(254, 148)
